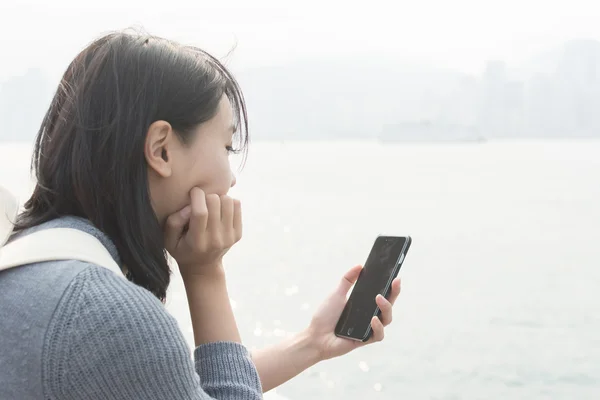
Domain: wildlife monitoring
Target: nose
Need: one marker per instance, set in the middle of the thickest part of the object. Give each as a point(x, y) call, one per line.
point(233, 180)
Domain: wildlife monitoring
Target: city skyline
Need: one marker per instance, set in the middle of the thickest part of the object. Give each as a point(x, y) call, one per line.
point(374, 97)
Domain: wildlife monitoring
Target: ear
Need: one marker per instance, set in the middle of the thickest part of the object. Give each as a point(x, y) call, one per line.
point(159, 147)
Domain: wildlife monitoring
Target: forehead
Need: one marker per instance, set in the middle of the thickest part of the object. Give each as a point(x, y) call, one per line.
point(225, 111)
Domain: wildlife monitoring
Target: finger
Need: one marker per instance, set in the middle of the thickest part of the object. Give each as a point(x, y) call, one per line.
point(349, 279)
point(175, 225)
point(386, 310)
point(395, 292)
point(199, 215)
point(237, 219)
point(213, 203)
point(227, 212)
point(378, 332)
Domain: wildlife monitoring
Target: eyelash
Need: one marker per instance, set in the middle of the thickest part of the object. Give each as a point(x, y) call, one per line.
point(231, 150)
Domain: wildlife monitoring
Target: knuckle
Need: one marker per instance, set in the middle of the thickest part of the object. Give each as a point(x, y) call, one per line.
point(171, 222)
point(196, 192)
point(212, 197)
point(199, 212)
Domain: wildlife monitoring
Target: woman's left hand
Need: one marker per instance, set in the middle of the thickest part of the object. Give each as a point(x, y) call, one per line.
point(322, 326)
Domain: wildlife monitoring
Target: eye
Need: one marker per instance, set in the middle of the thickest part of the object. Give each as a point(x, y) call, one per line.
point(231, 150)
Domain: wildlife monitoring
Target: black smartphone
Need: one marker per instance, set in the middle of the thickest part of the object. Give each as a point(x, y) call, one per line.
point(382, 266)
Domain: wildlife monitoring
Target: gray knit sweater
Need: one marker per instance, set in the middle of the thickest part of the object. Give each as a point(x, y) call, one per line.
point(73, 330)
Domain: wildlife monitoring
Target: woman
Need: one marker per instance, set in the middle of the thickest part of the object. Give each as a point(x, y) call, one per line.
point(134, 150)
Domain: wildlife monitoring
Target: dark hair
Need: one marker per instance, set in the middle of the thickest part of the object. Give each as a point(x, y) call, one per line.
point(89, 152)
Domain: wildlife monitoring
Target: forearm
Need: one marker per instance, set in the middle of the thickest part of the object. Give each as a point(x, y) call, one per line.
point(212, 316)
point(279, 363)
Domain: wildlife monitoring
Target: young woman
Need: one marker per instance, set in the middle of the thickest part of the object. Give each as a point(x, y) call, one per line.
point(134, 150)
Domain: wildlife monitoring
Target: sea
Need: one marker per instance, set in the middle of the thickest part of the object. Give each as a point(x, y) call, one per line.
point(500, 290)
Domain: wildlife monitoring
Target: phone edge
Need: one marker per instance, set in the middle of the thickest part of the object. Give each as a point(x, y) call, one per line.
point(387, 289)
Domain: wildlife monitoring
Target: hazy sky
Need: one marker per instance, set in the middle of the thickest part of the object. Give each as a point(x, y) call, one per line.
point(454, 33)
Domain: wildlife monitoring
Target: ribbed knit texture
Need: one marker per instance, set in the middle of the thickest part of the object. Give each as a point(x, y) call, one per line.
point(72, 330)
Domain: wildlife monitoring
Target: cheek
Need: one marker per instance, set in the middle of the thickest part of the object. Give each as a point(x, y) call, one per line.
point(212, 174)
point(221, 176)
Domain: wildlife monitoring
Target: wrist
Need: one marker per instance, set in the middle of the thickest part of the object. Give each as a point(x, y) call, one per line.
point(202, 272)
point(308, 344)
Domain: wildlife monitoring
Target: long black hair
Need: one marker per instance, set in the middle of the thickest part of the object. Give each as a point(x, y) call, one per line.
point(89, 152)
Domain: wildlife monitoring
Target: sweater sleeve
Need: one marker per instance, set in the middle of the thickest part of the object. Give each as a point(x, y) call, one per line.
point(109, 339)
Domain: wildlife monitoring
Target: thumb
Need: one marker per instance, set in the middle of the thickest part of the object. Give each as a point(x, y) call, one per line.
point(175, 225)
point(349, 279)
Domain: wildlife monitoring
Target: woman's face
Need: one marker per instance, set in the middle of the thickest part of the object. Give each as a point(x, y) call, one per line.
point(175, 168)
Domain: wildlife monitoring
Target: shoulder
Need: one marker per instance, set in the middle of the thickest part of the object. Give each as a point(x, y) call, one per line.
point(102, 289)
point(97, 295)
point(113, 330)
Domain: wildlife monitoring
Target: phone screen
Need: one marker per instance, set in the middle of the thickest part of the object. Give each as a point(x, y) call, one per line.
point(383, 262)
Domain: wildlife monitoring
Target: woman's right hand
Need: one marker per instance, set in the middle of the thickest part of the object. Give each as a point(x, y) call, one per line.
point(199, 235)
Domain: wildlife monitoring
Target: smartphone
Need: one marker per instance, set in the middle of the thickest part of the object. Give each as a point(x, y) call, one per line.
point(382, 266)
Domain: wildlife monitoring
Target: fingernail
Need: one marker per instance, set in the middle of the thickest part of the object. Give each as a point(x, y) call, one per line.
point(186, 212)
